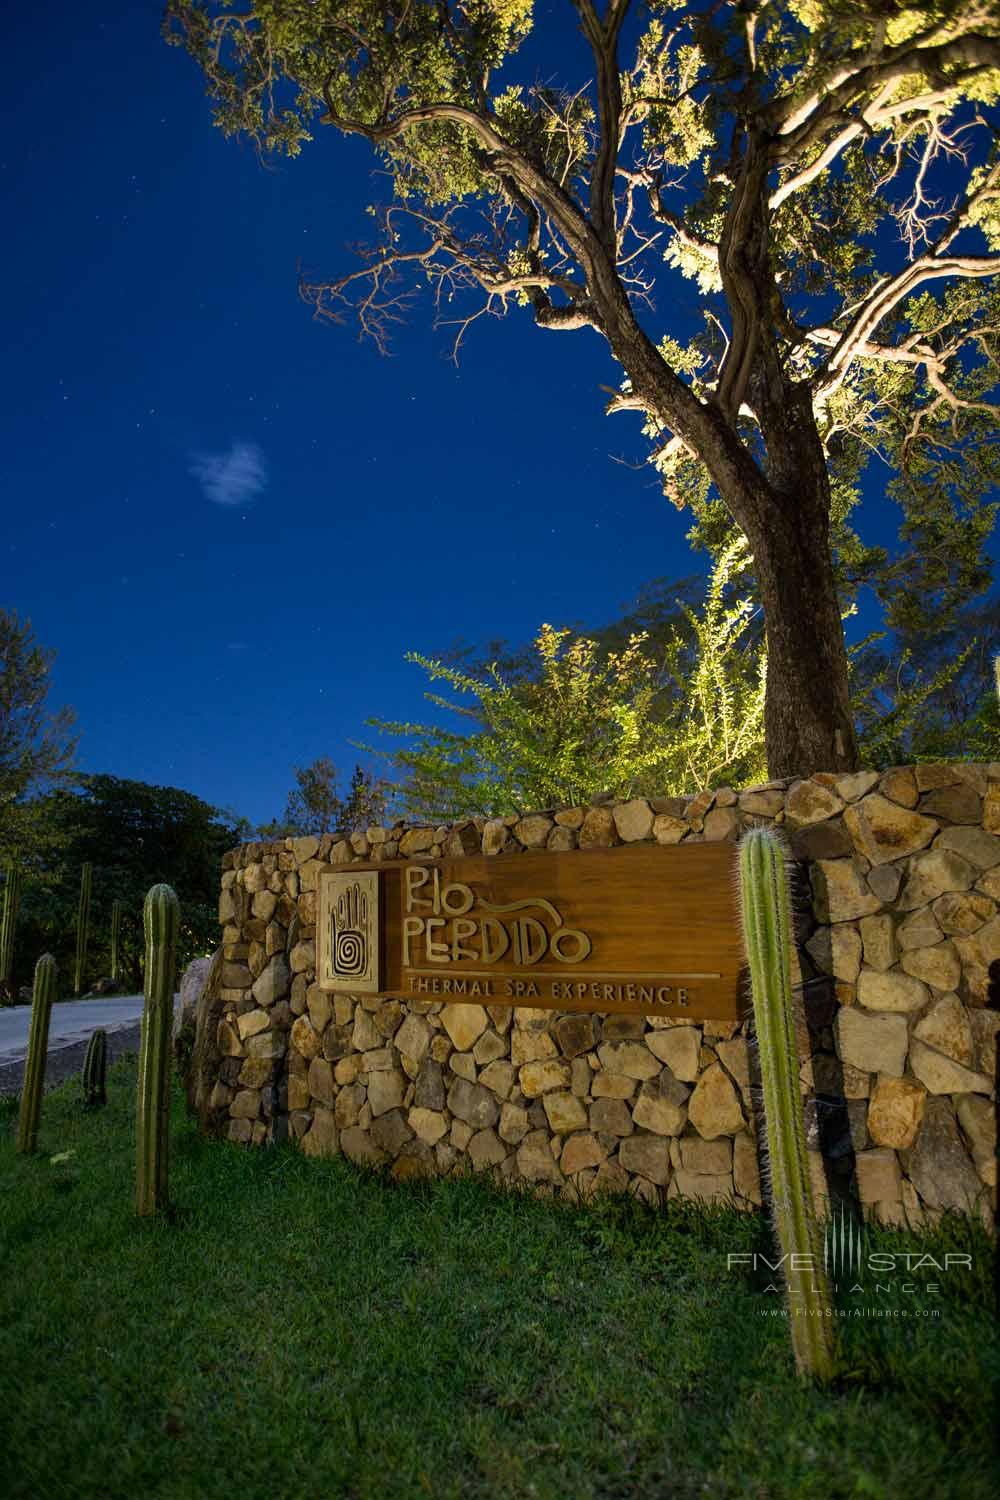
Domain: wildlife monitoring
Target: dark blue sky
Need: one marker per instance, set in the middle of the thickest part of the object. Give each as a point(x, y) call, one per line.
point(154, 328)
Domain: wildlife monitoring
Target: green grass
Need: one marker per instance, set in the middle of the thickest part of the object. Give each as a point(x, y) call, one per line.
point(300, 1329)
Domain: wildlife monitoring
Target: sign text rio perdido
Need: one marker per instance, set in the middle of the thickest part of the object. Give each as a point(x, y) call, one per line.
point(630, 929)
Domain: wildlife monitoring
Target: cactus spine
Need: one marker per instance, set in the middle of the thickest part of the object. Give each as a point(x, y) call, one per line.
point(161, 919)
point(82, 929)
point(8, 922)
point(38, 1047)
point(116, 927)
point(95, 1066)
point(767, 934)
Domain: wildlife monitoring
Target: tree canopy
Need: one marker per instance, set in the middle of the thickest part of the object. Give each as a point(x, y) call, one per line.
point(36, 744)
point(135, 835)
point(579, 716)
point(316, 805)
point(824, 176)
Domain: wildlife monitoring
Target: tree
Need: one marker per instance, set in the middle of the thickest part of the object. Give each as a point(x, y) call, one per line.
point(825, 173)
point(36, 746)
point(580, 719)
point(135, 836)
point(316, 806)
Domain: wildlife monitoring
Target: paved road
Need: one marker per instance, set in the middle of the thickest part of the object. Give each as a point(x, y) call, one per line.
point(72, 1021)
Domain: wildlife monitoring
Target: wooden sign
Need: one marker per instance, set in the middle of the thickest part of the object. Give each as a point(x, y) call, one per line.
point(641, 930)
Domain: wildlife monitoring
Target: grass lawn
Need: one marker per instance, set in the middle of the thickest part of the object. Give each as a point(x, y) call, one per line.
point(300, 1329)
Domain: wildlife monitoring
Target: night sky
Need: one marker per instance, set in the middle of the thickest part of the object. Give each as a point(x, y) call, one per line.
point(228, 520)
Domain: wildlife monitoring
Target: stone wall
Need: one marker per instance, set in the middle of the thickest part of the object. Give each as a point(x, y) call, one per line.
point(898, 923)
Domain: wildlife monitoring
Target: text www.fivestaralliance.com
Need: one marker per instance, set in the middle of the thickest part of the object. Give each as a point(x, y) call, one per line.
point(851, 1312)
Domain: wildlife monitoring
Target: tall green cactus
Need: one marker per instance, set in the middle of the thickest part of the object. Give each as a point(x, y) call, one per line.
point(95, 1065)
point(82, 929)
point(116, 927)
point(767, 934)
point(161, 919)
point(8, 922)
point(38, 1047)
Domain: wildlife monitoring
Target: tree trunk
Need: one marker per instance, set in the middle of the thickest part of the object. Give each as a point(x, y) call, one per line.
point(807, 717)
point(808, 723)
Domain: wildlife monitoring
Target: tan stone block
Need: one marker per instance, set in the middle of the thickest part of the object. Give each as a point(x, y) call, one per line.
point(513, 1123)
point(762, 803)
point(305, 1038)
point(610, 1117)
point(537, 1078)
point(704, 1188)
point(883, 831)
point(746, 1172)
point(633, 820)
point(631, 1059)
point(679, 1048)
point(612, 1086)
point(321, 1080)
point(941, 1075)
point(706, 1157)
point(979, 848)
point(252, 1022)
point(564, 1112)
point(535, 1162)
point(386, 1090)
point(428, 1124)
point(837, 950)
point(895, 1112)
point(581, 1152)
point(533, 831)
point(246, 1105)
point(228, 1041)
point(463, 1064)
point(598, 829)
point(937, 966)
point(870, 1042)
point(840, 891)
point(893, 991)
point(714, 1108)
point(489, 1048)
point(963, 912)
point(809, 802)
point(486, 1150)
point(660, 1113)
point(878, 941)
point(668, 829)
point(919, 930)
point(464, 1024)
point(721, 824)
point(647, 1155)
point(498, 1077)
point(879, 1177)
point(348, 1068)
point(571, 817)
point(946, 1027)
point(977, 1117)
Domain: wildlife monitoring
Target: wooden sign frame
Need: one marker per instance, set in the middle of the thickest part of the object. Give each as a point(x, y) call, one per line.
point(637, 929)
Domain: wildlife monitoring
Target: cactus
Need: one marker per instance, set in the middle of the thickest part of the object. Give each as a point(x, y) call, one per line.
point(95, 1064)
point(116, 927)
point(38, 1047)
point(82, 929)
point(767, 933)
point(8, 922)
point(161, 919)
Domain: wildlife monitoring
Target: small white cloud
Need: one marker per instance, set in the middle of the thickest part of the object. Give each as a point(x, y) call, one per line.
point(231, 478)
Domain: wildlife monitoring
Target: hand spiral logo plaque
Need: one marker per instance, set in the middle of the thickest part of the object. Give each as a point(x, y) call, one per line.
point(350, 934)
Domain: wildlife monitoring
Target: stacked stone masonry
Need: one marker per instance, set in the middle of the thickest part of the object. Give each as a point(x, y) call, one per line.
point(899, 921)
